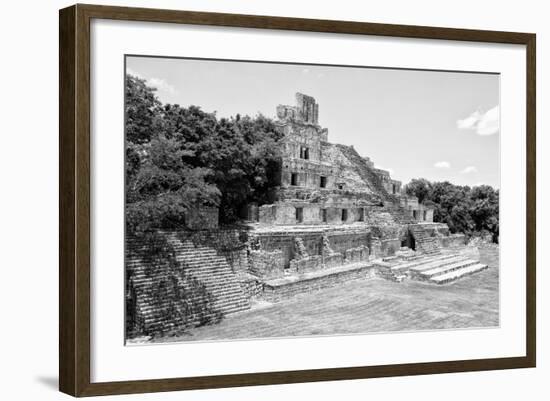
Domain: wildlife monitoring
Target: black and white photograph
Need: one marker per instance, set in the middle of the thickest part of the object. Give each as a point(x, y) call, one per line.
point(277, 200)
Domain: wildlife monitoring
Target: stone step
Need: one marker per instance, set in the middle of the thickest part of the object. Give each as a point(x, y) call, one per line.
point(230, 300)
point(229, 303)
point(226, 292)
point(422, 260)
point(220, 293)
point(197, 255)
point(198, 273)
point(204, 263)
point(420, 256)
point(223, 291)
point(218, 305)
point(447, 268)
point(197, 251)
point(424, 264)
point(436, 264)
point(213, 275)
point(456, 274)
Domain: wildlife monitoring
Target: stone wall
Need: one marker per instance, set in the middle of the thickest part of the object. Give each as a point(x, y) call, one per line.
point(437, 229)
point(252, 286)
point(308, 109)
point(356, 255)
point(307, 264)
point(305, 213)
point(276, 293)
point(340, 242)
point(388, 247)
point(265, 264)
point(333, 260)
point(417, 211)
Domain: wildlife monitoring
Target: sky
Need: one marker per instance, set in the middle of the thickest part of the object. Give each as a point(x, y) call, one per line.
point(437, 125)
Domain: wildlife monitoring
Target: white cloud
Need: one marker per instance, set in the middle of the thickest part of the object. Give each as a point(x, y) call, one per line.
point(129, 71)
point(161, 85)
point(442, 164)
point(469, 170)
point(482, 123)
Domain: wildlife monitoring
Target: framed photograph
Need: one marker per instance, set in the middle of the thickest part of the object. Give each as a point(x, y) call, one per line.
point(249, 200)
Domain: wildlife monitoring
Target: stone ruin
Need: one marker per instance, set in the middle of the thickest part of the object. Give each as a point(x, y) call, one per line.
point(333, 207)
point(334, 218)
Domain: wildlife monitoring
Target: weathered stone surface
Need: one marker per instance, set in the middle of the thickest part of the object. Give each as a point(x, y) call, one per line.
point(267, 264)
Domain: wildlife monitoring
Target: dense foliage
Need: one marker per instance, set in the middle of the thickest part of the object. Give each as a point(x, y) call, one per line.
point(179, 158)
point(465, 209)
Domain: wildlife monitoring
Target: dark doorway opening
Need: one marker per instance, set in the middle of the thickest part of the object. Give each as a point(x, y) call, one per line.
point(408, 241)
point(324, 215)
point(299, 214)
point(344, 214)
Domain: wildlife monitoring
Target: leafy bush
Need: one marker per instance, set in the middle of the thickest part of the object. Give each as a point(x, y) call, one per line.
point(464, 209)
point(179, 158)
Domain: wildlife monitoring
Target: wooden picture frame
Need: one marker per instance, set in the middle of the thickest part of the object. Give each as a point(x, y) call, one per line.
point(74, 200)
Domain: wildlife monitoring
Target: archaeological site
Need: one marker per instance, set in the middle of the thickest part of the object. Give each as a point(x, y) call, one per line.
point(334, 218)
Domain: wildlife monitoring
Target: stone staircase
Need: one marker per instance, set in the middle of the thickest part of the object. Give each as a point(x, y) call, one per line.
point(447, 270)
point(364, 171)
point(424, 242)
point(212, 270)
point(398, 269)
point(435, 268)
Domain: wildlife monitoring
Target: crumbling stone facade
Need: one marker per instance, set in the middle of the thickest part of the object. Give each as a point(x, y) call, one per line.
point(323, 183)
point(333, 206)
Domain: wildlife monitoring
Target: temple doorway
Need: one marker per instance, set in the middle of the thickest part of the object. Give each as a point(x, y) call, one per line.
point(408, 241)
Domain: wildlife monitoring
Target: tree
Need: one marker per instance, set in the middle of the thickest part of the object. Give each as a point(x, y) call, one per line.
point(161, 184)
point(419, 187)
point(178, 158)
point(464, 209)
point(485, 209)
point(141, 110)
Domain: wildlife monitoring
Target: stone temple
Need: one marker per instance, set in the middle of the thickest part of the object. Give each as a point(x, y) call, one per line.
point(334, 217)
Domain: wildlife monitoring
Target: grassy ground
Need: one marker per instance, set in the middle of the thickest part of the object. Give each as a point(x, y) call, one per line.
point(365, 306)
